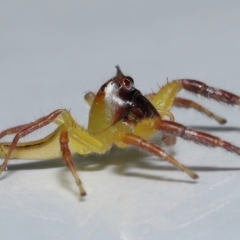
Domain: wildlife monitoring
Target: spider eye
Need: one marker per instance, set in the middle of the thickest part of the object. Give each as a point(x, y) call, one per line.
point(128, 82)
point(130, 79)
point(103, 87)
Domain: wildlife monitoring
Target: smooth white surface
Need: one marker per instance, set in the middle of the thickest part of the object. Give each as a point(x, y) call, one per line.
point(53, 52)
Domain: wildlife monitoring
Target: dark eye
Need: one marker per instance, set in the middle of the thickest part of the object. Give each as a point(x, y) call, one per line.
point(103, 87)
point(128, 82)
point(130, 79)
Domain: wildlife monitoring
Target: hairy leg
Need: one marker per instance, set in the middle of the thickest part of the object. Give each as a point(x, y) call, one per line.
point(199, 137)
point(67, 156)
point(26, 129)
point(164, 99)
point(131, 139)
point(186, 103)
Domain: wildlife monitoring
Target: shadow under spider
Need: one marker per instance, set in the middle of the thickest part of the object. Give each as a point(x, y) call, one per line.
point(215, 128)
point(121, 160)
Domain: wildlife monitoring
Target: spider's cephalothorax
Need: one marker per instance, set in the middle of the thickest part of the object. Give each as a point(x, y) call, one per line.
point(118, 100)
point(120, 115)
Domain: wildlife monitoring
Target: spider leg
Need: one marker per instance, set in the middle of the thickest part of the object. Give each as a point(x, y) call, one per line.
point(67, 156)
point(199, 137)
point(165, 97)
point(19, 128)
point(81, 142)
point(41, 149)
point(201, 88)
point(69, 136)
point(168, 92)
point(185, 103)
point(13, 130)
point(139, 142)
point(174, 129)
point(26, 129)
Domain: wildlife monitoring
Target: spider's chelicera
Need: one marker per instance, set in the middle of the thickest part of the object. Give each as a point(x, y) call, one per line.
point(119, 114)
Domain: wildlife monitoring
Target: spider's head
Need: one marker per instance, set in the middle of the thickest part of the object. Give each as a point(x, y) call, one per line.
point(117, 100)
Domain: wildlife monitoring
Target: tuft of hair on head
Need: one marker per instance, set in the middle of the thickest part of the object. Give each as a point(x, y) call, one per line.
point(119, 71)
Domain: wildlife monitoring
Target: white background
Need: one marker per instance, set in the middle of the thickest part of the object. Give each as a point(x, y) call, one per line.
point(52, 52)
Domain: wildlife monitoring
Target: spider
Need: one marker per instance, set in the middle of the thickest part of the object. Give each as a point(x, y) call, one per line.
point(119, 114)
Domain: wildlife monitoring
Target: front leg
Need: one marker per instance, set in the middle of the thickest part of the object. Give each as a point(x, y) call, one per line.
point(202, 89)
point(164, 99)
point(179, 130)
point(186, 103)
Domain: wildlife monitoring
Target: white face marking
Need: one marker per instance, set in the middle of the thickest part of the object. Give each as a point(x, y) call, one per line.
point(110, 92)
point(112, 97)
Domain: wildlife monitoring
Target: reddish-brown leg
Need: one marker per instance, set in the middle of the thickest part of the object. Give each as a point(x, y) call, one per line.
point(179, 130)
point(156, 150)
point(25, 130)
point(185, 103)
point(201, 88)
point(13, 130)
point(68, 159)
point(19, 128)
